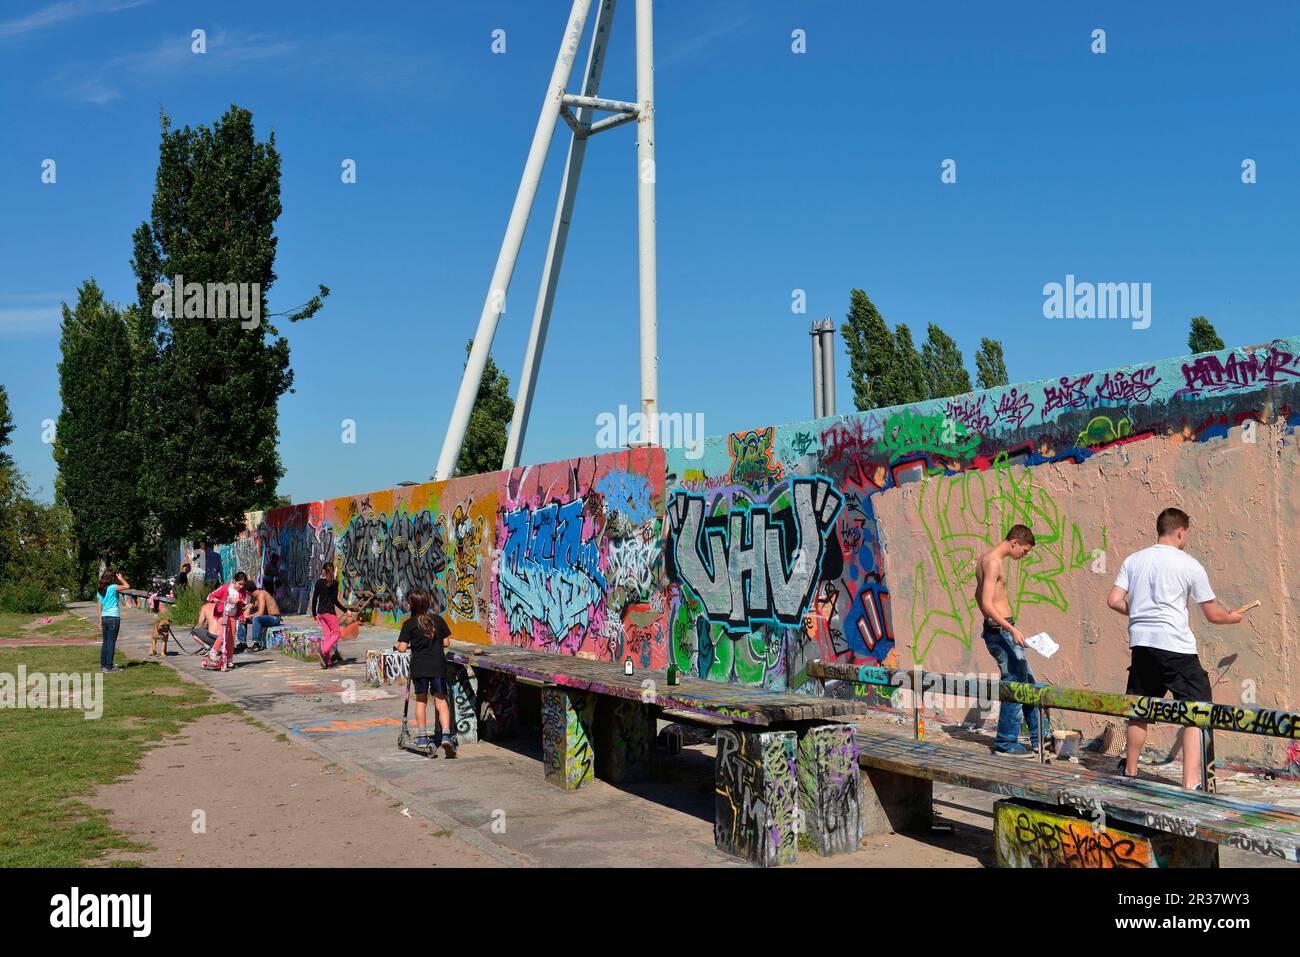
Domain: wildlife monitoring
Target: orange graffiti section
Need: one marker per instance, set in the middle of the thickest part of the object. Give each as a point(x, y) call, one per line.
point(1030, 838)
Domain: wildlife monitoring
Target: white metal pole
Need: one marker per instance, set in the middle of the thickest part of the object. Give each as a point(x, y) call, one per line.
point(819, 391)
point(646, 175)
point(559, 237)
point(496, 297)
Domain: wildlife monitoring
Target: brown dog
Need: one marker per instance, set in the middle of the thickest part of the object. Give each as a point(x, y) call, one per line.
point(162, 628)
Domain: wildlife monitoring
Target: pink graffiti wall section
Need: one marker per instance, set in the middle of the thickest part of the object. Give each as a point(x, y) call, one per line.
point(564, 557)
point(853, 538)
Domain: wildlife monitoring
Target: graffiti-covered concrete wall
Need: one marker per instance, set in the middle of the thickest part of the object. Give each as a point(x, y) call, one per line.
point(563, 557)
point(853, 538)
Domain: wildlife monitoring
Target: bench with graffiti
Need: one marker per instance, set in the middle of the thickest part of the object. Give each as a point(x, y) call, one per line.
point(1067, 816)
point(786, 771)
point(300, 643)
point(391, 667)
point(139, 598)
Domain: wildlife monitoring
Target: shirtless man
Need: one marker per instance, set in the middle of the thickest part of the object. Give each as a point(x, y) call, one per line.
point(263, 613)
point(203, 628)
point(1005, 642)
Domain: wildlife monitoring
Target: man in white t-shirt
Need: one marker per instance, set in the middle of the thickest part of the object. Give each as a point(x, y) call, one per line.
point(1151, 589)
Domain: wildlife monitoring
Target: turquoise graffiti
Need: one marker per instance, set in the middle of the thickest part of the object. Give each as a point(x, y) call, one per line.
point(548, 573)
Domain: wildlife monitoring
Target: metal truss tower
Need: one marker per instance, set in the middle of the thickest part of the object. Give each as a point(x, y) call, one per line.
point(579, 111)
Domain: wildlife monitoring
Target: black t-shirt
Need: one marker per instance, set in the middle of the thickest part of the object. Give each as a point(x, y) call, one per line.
point(324, 598)
point(271, 580)
point(427, 660)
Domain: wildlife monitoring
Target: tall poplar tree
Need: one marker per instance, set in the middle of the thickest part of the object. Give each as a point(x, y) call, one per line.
point(990, 368)
point(207, 389)
point(945, 370)
point(1202, 337)
point(907, 380)
point(96, 444)
point(872, 352)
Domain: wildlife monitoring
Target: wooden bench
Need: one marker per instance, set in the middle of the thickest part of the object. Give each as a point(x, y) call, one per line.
point(901, 773)
point(786, 765)
point(1062, 814)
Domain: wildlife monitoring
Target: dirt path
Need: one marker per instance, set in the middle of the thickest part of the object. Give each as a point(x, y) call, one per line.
point(266, 803)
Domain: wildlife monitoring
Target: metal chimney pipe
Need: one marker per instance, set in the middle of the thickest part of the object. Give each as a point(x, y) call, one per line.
point(826, 341)
point(819, 388)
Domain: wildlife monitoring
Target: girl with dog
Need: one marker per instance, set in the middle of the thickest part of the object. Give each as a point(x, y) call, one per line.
point(110, 616)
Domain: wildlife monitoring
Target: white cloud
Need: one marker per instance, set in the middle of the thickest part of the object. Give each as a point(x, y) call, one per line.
point(18, 321)
point(25, 313)
point(103, 81)
point(62, 12)
point(701, 40)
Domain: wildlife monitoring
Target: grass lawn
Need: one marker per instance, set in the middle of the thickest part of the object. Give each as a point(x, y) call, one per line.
point(62, 625)
point(52, 757)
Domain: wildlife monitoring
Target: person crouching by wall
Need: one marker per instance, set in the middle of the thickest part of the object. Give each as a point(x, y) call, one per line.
point(110, 616)
point(324, 607)
point(230, 600)
point(423, 634)
point(204, 629)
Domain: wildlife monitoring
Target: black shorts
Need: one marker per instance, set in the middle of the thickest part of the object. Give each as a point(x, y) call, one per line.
point(425, 685)
point(1155, 671)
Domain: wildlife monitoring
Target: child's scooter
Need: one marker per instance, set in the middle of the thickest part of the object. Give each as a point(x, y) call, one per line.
point(404, 740)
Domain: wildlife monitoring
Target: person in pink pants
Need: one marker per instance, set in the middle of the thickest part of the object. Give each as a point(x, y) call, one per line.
point(229, 600)
point(324, 607)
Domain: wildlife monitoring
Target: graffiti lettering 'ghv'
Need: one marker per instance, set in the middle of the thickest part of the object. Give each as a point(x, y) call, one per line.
point(751, 564)
point(548, 574)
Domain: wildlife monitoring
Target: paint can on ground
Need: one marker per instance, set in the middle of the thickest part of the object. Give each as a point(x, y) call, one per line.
point(1065, 744)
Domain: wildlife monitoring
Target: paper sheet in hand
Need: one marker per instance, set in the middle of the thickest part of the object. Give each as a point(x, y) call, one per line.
point(1043, 644)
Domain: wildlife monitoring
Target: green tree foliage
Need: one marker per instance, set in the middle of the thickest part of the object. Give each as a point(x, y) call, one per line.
point(485, 436)
point(990, 368)
point(206, 390)
point(945, 370)
point(907, 378)
point(1202, 337)
point(36, 543)
point(96, 445)
point(6, 430)
point(872, 352)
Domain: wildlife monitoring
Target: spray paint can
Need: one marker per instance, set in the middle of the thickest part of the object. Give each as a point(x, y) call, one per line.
point(672, 674)
point(627, 666)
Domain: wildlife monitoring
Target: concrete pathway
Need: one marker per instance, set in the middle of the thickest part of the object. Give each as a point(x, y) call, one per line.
point(493, 796)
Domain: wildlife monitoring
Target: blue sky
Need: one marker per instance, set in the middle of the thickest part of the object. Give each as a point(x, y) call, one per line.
point(776, 171)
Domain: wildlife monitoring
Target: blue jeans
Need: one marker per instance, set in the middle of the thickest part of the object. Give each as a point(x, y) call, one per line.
point(1012, 666)
point(111, 625)
point(260, 622)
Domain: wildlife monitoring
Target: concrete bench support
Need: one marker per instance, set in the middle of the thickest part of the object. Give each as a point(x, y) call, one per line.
point(387, 667)
point(830, 789)
point(896, 802)
point(567, 754)
point(464, 699)
point(756, 796)
point(498, 705)
point(625, 733)
point(1036, 835)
